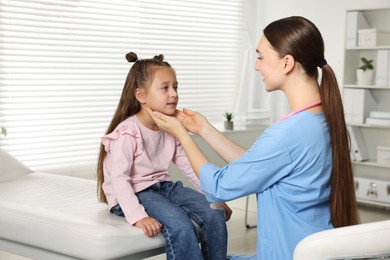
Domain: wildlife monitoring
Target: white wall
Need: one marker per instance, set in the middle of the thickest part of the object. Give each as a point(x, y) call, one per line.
point(329, 17)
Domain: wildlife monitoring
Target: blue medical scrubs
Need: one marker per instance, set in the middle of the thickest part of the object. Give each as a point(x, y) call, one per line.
point(289, 168)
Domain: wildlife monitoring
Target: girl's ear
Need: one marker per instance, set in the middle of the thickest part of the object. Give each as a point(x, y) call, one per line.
point(140, 95)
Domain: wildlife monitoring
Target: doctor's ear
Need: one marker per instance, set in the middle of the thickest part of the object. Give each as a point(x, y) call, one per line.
point(288, 63)
point(140, 95)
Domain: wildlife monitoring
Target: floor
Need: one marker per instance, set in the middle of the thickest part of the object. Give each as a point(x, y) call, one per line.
point(243, 240)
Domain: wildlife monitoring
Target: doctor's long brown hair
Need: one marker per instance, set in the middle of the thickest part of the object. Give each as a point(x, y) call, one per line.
point(140, 75)
point(301, 39)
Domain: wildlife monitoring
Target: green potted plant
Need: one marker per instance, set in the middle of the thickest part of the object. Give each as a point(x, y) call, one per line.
point(365, 72)
point(228, 124)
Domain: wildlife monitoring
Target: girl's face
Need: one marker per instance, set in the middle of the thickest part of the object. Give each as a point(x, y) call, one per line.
point(270, 65)
point(162, 94)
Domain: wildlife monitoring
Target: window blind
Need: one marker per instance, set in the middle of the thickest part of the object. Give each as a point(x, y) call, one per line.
point(63, 68)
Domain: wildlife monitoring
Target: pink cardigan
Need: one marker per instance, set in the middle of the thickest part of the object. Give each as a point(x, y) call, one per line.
point(138, 157)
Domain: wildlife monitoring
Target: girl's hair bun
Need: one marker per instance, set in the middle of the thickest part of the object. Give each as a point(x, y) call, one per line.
point(159, 57)
point(131, 57)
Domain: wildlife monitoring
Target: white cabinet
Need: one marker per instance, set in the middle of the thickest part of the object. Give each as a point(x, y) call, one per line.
point(367, 107)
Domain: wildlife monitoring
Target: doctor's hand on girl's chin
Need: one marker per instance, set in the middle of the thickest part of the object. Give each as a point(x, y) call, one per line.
point(168, 124)
point(149, 226)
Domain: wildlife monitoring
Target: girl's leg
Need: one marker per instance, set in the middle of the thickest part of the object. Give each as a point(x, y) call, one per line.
point(211, 221)
point(178, 230)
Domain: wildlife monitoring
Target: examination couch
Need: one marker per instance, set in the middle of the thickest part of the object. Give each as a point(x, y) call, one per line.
point(48, 216)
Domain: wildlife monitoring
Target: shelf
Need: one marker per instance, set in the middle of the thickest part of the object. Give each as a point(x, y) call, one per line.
point(368, 48)
point(373, 202)
point(359, 103)
point(372, 126)
point(372, 164)
point(366, 86)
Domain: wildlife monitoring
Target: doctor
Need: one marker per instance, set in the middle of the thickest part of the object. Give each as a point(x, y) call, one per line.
point(299, 167)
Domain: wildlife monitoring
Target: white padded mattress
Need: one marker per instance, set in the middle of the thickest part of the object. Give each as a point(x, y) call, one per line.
point(62, 214)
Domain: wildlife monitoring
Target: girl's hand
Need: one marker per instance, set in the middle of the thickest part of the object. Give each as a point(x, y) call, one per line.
point(226, 208)
point(149, 226)
point(228, 211)
point(192, 121)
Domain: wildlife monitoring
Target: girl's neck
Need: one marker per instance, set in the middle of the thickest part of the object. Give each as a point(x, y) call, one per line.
point(144, 117)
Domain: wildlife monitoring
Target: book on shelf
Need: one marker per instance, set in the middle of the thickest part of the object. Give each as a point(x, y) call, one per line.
point(380, 114)
point(383, 155)
point(388, 70)
point(357, 105)
point(352, 154)
point(377, 121)
point(355, 21)
point(358, 146)
point(382, 70)
point(378, 118)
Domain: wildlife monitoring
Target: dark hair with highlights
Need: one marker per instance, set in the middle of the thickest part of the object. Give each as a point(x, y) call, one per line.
point(140, 75)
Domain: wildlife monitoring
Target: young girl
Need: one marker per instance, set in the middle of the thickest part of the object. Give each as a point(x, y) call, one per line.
point(300, 166)
point(133, 169)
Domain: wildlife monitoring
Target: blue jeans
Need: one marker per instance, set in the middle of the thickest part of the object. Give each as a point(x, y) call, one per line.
point(176, 208)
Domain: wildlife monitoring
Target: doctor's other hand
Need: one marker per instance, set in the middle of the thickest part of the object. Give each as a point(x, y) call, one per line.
point(149, 226)
point(193, 121)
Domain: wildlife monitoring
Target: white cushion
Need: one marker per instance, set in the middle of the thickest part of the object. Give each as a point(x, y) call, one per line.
point(353, 242)
point(10, 167)
point(62, 214)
